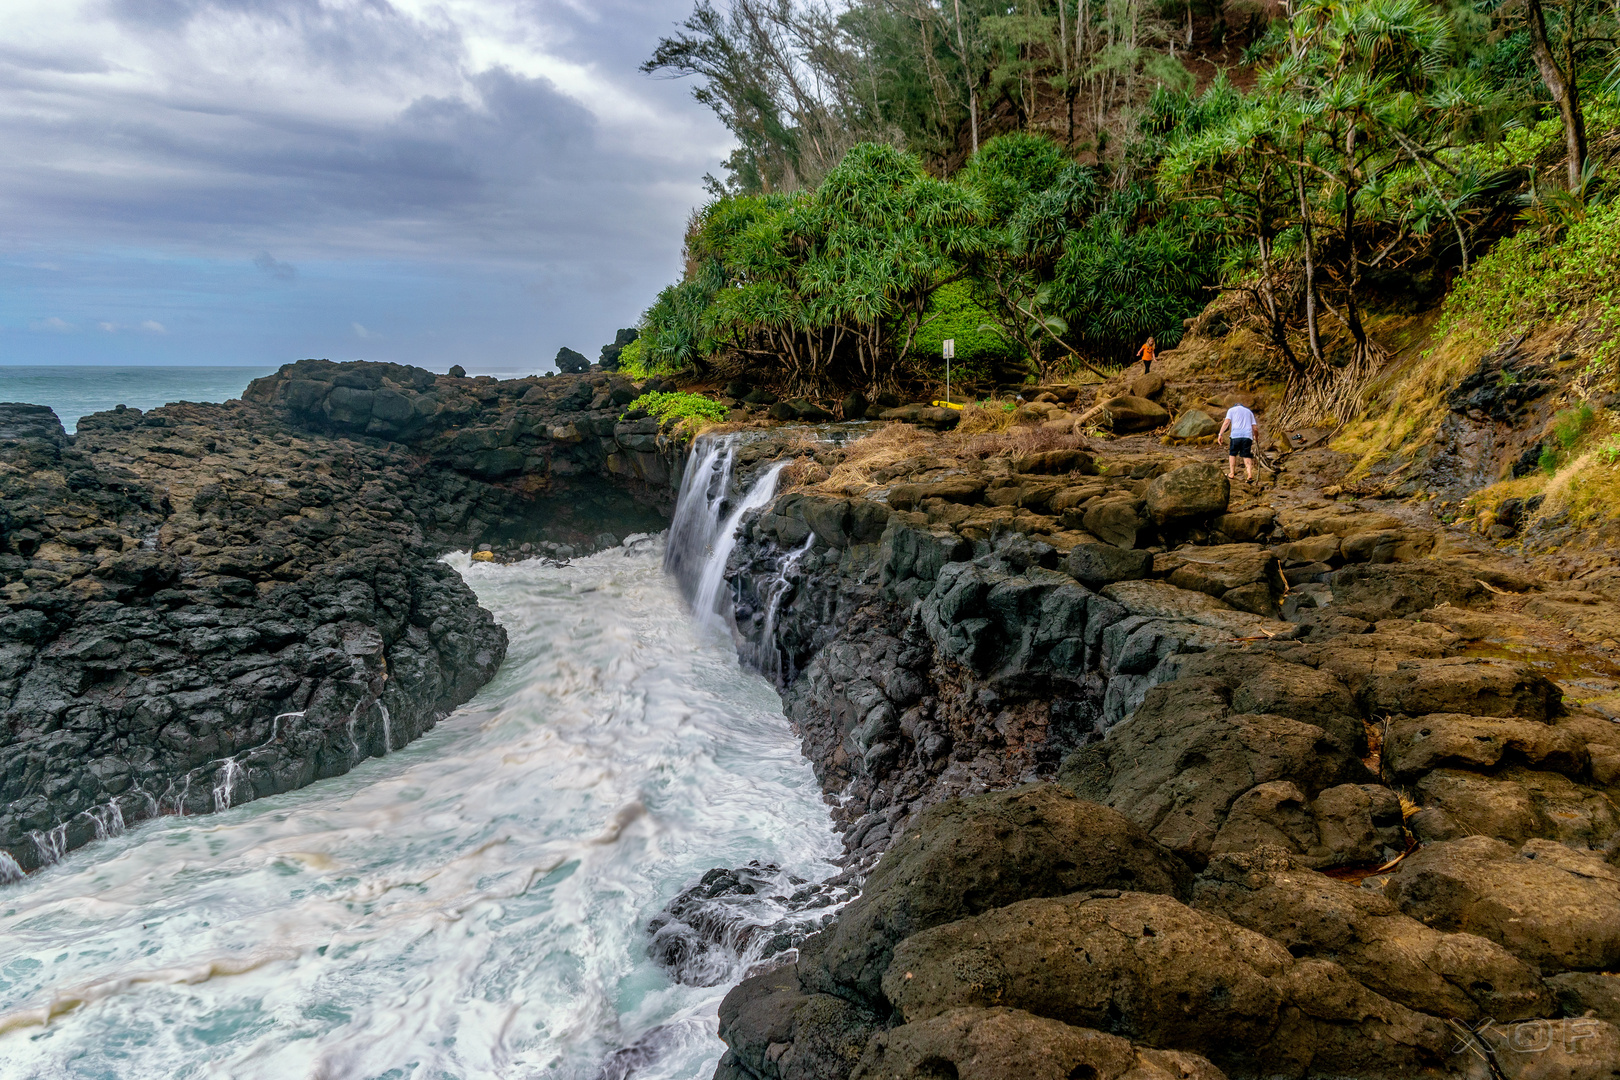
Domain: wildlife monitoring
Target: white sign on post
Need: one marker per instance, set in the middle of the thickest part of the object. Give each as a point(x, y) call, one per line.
point(950, 354)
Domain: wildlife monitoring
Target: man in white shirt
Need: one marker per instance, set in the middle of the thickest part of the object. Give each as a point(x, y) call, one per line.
point(1242, 424)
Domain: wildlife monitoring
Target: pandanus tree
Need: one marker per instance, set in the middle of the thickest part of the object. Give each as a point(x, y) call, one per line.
point(834, 284)
point(1338, 158)
point(1078, 272)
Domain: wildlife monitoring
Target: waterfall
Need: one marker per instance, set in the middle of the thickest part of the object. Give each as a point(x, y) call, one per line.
point(704, 487)
point(704, 530)
point(706, 601)
point(10, 872)
point(388, 727)
point(107, 819)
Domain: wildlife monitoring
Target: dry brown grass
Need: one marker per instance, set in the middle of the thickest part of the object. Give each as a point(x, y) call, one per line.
point(1018, 441)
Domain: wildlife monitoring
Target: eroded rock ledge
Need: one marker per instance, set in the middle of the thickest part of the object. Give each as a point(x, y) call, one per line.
point(205, 604)
point(1149, 782)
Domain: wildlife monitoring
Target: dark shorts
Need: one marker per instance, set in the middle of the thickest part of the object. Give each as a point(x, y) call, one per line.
point(1243, 448)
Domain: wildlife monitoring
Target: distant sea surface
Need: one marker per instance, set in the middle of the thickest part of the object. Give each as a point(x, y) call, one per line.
point(79, 390)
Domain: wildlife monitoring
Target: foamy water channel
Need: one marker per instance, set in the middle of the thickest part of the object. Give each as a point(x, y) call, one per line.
point(471, 906)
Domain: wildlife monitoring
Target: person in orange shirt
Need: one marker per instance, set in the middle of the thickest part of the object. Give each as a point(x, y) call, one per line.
point(1146, 353)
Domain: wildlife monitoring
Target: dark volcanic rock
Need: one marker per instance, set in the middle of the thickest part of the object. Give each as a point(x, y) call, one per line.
point(1135, 964)
point(968, 856)
point(1009, 1044)
point(205, 604)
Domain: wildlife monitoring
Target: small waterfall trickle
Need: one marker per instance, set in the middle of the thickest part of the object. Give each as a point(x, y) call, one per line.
point(388, 728)
point(230, 774)
point(704, 530)
point(762, 653)
point(52, 845)
point(10, 872)
point(107, 819)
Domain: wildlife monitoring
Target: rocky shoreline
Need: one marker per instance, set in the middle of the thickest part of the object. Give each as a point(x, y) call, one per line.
point(1267, 785)
point(1140, 774)
point(205, 604)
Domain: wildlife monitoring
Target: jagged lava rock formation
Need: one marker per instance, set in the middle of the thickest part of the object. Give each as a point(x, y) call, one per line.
point(204, 604)
point(1155, 776)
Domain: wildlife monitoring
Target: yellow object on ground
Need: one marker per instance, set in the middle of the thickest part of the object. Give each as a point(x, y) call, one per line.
point(483, 556)
point(947, 405)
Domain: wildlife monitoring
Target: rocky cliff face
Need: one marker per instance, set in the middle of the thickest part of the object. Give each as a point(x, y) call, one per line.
point(205, 604)
point(1267, 785)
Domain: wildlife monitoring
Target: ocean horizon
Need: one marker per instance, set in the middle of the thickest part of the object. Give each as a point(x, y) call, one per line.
point(77, 390)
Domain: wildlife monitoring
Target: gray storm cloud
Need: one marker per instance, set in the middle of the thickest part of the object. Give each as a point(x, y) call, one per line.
point(484, 134)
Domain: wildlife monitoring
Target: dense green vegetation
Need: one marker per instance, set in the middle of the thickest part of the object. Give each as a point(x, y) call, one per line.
point(1042, 183)
point(678, 405)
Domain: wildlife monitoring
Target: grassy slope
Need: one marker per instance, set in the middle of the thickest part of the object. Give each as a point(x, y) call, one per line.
point(1564, 294)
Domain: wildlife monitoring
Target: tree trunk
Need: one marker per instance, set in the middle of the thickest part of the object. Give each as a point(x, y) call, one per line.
point(1310, 268)
point(973, 82)
point(1563, 90)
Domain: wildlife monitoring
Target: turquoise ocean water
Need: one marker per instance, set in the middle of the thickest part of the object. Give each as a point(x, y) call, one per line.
point(75, 390)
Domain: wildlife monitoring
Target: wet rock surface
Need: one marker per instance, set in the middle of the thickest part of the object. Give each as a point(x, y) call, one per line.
point(206, 604)
point(1129, 764)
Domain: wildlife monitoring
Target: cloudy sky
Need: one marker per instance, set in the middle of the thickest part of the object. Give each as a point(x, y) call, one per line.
point(255, 181)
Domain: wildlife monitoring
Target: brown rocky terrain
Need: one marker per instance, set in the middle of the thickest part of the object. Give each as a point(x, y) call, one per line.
point(1141, 773)
point(1149, 774)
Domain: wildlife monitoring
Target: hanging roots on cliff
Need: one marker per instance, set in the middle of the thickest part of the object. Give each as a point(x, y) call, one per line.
point(1324, 395)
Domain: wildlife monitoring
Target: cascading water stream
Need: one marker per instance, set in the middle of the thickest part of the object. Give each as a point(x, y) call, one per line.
point(475, 904)
point(700, 539)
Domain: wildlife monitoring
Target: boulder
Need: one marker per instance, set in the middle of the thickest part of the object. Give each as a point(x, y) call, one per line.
point(1115, 521)
point(1312, 549)
point(1147, 385)
point(1546, 904)
point(1096, 565)
point(1394, 591)
point(1180, 762)
point(1392, 954)
point(1218, 570)
point(956, 490)
point(1346, 825)
point(774, 1028)
point(570, 362)
point(1575, 1049)
point(1135, 414)
point(855, 405)
point(1413, 747)
point(1246, 525)
point(1587, 993)
point(1156, 971)
point(1463, 684)
point(1514, 805)
point(1194, 424)
point(1189, 491)
point(1009, 1044)
point(967, 856)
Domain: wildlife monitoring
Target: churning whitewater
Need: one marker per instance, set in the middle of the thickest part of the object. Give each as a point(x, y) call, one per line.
point(474, 905)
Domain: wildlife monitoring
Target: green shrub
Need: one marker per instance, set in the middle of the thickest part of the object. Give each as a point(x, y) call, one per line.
point(1548, 462)
point(1609, 451)
point(1571, 424)
point(955, 312)
point(1529, 279)
point(691, 409)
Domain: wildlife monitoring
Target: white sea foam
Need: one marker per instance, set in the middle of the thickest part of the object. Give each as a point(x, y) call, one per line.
point(471, 906)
